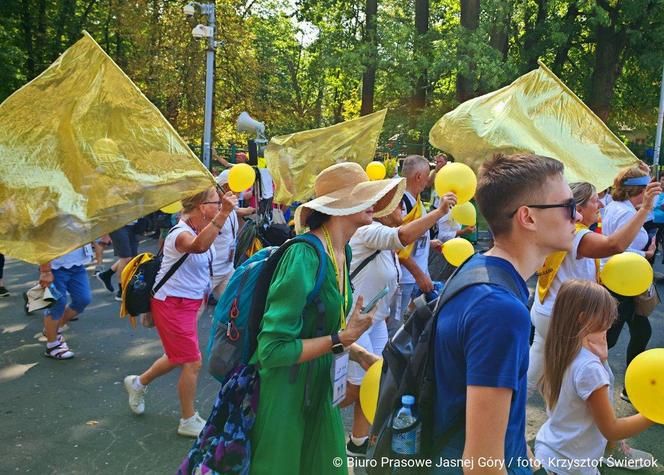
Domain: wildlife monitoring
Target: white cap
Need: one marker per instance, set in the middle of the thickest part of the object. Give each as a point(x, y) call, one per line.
point(222, 179)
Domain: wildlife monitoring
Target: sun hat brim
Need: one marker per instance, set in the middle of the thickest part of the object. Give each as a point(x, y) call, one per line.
point(386, 194)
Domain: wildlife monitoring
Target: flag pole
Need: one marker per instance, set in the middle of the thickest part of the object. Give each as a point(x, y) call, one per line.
point(658, 136)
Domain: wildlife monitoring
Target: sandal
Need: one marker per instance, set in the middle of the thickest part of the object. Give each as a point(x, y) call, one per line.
point(59, 352)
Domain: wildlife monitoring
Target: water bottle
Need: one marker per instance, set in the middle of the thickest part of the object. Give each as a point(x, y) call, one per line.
point(406, 430)
point(139, 283)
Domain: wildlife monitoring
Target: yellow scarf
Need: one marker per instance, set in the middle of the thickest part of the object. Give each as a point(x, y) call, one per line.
point(547, 273)
point(414, 214)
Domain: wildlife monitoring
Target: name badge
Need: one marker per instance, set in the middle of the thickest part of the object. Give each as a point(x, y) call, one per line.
point(339, 374)
point(231, 254)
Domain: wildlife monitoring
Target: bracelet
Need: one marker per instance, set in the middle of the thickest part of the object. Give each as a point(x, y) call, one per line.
point(214, 223)
point(45, 271)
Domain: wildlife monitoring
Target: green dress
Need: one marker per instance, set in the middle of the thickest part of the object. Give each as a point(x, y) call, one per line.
point(288, 438)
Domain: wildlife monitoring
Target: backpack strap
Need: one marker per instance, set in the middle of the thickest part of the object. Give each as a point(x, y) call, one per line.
point(172, 270)
point(406, 202)
point(364, 263)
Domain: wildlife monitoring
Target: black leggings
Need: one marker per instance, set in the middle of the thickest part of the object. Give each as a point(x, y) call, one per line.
point(2, 265)
point(639, 328)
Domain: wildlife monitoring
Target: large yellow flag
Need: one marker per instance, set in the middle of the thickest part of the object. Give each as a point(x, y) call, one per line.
point(294, 160)
point(83, 152)
point(536, 113)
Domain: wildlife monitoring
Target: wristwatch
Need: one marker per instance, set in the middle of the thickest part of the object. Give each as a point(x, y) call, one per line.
point(337, 347)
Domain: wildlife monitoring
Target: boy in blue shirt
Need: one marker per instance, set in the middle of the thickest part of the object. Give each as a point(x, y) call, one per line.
point(482, 334)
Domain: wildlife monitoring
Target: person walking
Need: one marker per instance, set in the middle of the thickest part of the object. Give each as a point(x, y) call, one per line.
point(175, 306)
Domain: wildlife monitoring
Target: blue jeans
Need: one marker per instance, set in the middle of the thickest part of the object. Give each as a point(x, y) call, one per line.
point(75, 282)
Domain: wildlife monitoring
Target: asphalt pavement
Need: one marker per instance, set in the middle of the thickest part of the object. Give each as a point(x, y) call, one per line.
point(71, 417)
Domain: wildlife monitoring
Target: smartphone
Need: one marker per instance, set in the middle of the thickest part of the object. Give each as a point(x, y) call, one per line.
point(372, 303)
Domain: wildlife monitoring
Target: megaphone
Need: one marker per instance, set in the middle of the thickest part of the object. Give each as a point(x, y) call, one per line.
point(245, 123)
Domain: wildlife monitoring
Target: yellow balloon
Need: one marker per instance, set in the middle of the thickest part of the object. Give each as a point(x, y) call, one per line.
point(644, 382)
point(457, 178)
point(172, 208)
point(241, 177)
point(376, 170)
point(457, 250)
point(369, 390)
point(465, 214)
point(627, 274)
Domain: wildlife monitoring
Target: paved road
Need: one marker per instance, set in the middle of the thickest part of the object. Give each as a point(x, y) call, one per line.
point(71, 417)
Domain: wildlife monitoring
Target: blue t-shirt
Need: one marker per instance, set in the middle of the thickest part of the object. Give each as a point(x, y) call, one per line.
point(482, 339)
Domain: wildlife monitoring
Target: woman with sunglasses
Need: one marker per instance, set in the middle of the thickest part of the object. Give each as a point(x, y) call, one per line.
point(581, 262)
point(632, 188)
point(175, 305)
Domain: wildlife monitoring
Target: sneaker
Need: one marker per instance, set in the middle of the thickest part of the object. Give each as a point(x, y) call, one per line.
point(105, 278)
point(630, 458)
point(136, 396)
point(624, 396)
point(4, 292)
point(191, 427)
point(357, 450)
point(118, 296)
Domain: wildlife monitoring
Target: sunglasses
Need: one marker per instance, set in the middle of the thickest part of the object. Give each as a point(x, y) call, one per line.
point(218, 203)
point(570, 204)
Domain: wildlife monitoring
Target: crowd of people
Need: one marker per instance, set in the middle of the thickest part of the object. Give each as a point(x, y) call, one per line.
point(379, 235)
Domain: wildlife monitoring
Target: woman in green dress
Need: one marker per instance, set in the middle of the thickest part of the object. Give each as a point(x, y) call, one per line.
point(298, 430)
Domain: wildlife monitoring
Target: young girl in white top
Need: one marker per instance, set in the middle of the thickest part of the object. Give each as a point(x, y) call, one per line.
point(577, 385)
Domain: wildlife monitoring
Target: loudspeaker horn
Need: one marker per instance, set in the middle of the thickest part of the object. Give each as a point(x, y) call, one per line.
point(245, 123)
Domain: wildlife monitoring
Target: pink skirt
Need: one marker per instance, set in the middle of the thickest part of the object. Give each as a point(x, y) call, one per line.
point(175, 320)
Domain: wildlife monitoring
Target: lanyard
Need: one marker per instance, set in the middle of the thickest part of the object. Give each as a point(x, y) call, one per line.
point(342, 285)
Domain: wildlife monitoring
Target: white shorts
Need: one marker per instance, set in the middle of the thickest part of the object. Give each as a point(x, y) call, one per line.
point(219, 283)
point(372, 340)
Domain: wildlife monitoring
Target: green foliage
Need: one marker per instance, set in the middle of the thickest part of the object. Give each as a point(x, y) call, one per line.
point(298, 64)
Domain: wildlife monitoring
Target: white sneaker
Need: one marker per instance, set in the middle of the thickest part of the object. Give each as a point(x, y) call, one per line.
point(136, 396)
point(191, 427)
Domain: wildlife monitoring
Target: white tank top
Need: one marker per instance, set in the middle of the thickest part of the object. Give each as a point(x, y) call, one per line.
point(192, 279)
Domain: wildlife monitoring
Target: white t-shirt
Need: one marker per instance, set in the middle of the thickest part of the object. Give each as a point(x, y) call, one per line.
point(617, 214)
point(447, 227)
point(224, 246)
point(572, 267)
point(267, 187)
point(384, 269)
point(78, 257)
point(420, 253)
point(192, 279)
point(570, 433)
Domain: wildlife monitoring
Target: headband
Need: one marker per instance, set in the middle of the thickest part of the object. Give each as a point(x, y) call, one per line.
point(638, 181)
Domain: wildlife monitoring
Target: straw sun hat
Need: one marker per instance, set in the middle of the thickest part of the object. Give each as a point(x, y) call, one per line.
point(344, 189)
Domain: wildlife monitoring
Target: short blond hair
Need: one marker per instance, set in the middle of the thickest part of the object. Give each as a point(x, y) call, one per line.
point(191, 203)
point(624, 192)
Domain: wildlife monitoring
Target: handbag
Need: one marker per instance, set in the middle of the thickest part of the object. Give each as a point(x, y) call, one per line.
point(645, 303)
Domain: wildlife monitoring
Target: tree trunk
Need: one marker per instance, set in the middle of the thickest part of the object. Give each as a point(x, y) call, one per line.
point(370, 41)
point(28, 40)
point(533, 36)
point(499, 38)
point(470, 21)
point(40, 38)
point(571, 31)
point(608, 65)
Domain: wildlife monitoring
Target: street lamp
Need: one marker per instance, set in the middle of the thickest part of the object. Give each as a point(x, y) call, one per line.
point(203, 31)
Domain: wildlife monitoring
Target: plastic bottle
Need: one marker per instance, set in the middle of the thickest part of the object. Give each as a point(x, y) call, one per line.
point(139, 283)
point(406, 442)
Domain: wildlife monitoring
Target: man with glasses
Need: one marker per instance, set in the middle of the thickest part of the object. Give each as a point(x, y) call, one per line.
point(482, 334)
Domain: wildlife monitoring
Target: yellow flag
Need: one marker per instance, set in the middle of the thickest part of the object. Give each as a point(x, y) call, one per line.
point(83, 152)
point(294, 160)
point(537, 113)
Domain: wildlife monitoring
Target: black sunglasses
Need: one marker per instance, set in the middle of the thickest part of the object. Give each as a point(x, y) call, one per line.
point(570, 204)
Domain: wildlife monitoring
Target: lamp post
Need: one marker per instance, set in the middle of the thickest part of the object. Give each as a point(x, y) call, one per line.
point(203, 31)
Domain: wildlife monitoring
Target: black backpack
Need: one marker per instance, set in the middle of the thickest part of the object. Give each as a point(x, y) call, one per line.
point(408, 366)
